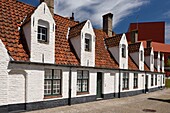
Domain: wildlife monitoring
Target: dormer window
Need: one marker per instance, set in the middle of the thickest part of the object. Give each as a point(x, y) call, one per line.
point(87, 42)
point(141, 55)
point(42, 34)
point(43, 31)
point(123, 50)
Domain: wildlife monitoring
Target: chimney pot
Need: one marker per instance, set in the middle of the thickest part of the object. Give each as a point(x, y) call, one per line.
point(72, 17)
point(149, 42)
point(107, 23)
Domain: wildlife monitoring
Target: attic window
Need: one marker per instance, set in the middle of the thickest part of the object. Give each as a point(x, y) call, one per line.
point(87, 42)
point(141, 55)
point(123, 50)
point(43, 31)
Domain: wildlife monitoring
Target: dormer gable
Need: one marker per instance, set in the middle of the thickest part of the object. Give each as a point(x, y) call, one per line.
point(157, 62)
point(136, 51)
point(149, 58)
point(118, 47)
point(39, 31)
point(162, 62)
point(82, 37)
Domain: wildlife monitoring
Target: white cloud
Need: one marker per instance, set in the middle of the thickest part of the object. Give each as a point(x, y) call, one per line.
point(167, 33)
point(94, 9)
point(166, 14)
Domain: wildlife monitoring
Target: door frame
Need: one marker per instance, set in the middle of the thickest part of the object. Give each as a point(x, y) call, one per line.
point(146, 84)
point(101, 85)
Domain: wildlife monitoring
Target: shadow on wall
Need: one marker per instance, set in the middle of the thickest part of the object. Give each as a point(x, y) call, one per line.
point(162, 100)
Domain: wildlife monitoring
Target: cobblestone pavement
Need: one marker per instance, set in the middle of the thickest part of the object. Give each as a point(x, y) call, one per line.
point(155, 102)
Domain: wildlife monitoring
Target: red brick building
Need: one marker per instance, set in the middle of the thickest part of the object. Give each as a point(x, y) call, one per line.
point(149, 30)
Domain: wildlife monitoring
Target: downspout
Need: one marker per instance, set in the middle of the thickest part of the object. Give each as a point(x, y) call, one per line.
point(119, 82)
point(69, 93)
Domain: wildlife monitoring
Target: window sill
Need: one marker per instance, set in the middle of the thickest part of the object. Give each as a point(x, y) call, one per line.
point(52, 96)
point(125, 89)
point(43, 42)
point(82, 93)
point(135, 87)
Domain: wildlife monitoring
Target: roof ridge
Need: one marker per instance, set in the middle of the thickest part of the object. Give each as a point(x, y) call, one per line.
point(79, 24)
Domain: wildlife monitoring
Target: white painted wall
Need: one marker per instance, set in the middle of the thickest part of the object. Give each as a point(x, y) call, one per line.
point(41, 52)
point(17, 87)
point(123, 62)
point(4, 61)
point(141, 63)
point(157, 62)
point(108, 83)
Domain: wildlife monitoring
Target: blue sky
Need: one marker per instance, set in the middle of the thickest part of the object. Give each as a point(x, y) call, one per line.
point(125, 11)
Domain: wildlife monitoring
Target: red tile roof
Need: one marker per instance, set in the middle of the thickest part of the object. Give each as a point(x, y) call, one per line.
point(131, 64)
point(76, 30)
point(113, 41)
point(134, 47)
point(158, 46)
point(12, 14)
point(103, 58)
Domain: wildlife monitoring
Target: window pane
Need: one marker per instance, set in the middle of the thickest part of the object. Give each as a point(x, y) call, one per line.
point(85, 74)
point(48, 74)
point(78, 85)
point(56, 87)
point(57, 74)
point(79, 74)
point(43, 31)
point(85, 83)
point(47, 87)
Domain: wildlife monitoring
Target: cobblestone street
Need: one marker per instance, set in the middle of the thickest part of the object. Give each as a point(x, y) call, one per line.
point(155, 102)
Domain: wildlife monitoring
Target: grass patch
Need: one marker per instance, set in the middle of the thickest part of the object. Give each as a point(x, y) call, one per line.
point(167, 83)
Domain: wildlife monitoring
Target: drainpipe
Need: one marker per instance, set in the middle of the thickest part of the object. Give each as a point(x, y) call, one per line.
point(119, 83)
point(69, 93)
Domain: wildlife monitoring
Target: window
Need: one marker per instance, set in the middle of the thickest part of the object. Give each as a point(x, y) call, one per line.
point(82, 81)
point(155, 79)
point(87, 42)
point(123, 50)
point(52, 82)
point(151, 79)
point(135, 80)
point(42, 33)
point(141, 55)
point(125, 81)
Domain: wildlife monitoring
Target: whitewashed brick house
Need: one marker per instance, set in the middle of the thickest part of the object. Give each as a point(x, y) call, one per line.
point(47, 60)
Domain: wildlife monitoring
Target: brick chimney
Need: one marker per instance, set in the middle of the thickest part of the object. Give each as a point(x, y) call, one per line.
point(107, 23)
point(50, 4)
point(149, 43)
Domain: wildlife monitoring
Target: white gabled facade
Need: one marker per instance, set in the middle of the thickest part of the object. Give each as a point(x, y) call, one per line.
point(157, 62)
point(117, 53)
point(41, 51)
point(150, 60)
point(138, 57)
point(87, 58)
